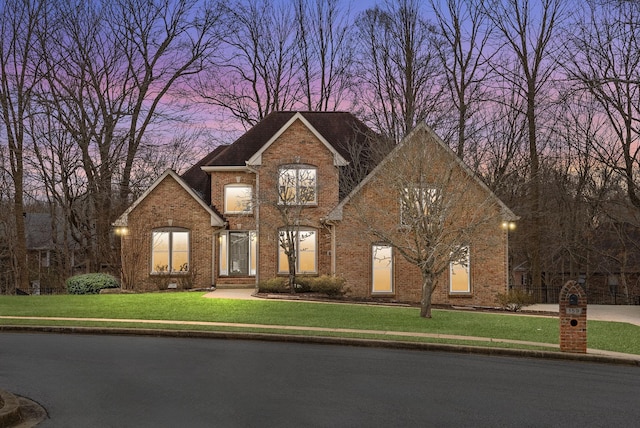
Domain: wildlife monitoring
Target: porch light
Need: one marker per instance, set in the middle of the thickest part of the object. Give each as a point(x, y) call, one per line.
point(121, 230)
point(509, 225)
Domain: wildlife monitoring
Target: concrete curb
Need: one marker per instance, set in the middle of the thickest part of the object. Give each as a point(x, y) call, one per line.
point(10, 411)
point(344, 341)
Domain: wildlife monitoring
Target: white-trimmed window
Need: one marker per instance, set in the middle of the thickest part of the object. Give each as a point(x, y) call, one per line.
point(238, 253)
point(297, 185)
point(170, 250)
point(381, 269)
point(237, 199)
point(418, 203)
point(459, 272)
point(306, 246)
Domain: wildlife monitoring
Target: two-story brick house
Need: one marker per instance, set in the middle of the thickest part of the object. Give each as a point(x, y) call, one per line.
point(221, 222)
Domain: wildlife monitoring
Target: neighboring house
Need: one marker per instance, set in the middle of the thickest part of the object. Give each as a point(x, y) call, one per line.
point(219, 223)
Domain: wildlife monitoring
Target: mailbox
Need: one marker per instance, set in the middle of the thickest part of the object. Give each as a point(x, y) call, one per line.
point(573, 318)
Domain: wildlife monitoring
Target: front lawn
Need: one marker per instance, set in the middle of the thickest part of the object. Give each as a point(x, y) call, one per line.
point(193, 307)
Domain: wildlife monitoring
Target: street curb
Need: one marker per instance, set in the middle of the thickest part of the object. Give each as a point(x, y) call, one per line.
point(10, 411)
point(327, 340)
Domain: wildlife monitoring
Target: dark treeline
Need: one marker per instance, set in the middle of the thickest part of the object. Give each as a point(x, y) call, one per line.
point(541, 98)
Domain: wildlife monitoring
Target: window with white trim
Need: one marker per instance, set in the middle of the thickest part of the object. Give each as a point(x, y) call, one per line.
point(170, 250)
point(418, 203)
point(459, 277)
point(238, 253)
point(381, 269)
point(237, 199)
point(306, 246)
point(297, 185)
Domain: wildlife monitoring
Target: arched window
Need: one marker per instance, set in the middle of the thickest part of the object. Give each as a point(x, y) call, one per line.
point(170, 250)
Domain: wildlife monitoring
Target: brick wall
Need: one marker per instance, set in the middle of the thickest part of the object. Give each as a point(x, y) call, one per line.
point(168, 205)
point(297, 145)
point(377, 207)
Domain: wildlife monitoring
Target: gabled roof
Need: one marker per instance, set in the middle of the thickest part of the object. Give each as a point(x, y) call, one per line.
point(216, 220)
point(336, 213)
point(336, 130)
point(197, 179)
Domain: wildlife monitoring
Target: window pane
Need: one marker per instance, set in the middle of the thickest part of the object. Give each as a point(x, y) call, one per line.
point(382, 263)
point(283, 262)
point(253, 252)
point(160, 252)
point(459, 275)
point(237, 199)
point(179, 251)
point(307, 251)
point(307, 185)
point(287, 186)
point(224, 269)
point(239, 253)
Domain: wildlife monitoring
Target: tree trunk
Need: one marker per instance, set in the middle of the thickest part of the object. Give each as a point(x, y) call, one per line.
point(427, 291)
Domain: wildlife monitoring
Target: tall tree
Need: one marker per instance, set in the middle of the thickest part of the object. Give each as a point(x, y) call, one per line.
point(397, 68)
point(603, 61)
point(462, 28)
point(324, 41)
point(19, 74)
point(255, 73)
point(527, 30)
point(111, 67)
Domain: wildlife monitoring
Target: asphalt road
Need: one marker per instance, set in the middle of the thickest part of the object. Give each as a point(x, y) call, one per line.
point(114, 381)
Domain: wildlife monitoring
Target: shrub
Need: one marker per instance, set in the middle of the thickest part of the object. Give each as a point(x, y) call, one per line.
point(326, 284)
point(514, 300)
point(90, 283)
point(273, 285)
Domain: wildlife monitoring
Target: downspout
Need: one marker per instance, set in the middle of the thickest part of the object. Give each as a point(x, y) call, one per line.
point(257, 222)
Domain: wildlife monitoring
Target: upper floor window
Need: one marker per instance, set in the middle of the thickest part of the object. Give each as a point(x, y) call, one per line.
point(418, 204)
point(170, 250)
point(237, 199)
point(297, 185)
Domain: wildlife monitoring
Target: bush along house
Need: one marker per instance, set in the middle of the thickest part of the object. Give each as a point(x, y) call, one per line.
point(322, 192)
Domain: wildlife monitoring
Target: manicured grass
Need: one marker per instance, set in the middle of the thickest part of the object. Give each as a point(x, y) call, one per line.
point(193, 307)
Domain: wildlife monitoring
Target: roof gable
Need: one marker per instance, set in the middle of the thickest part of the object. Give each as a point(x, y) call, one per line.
point(169, 173)
point(336, 213)
point(336, 130)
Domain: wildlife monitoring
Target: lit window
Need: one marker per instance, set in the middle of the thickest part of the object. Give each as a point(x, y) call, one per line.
point(382, 269)
point(170, 251)
point(237, 199)
point(418, 204)
point(297, 186)
point(305, 247)
point(459, 278)
point(238, 253)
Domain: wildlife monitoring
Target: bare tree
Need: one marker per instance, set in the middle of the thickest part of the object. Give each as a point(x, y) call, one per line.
point(465, 35)
point(397, 68)
point(528, 32)
point(324, 42)
point(255, 74)
point(289, 190)
point(19, 24)
point(110, 69)
point(603, 60)
point(443, 208)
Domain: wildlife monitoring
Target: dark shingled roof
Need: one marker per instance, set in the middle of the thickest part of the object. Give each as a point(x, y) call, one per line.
point(199, 180)
point(340, 129)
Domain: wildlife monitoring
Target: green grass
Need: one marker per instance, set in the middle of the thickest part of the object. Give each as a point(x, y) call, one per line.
point(193, 307)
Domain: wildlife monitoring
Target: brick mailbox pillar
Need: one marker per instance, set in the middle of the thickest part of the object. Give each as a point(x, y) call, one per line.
point(573, 318)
